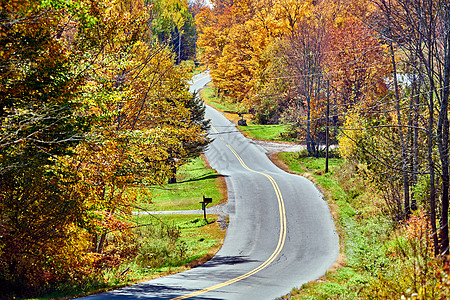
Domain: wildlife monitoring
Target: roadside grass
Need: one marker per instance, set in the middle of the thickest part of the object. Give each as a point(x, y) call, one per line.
point(232, 110)
point(160, 244)
point(168, 244)
point(198, 241)
point(209, 97)
point(363, 226)
point(297, 162)
point(266, 132)
point(194, 180)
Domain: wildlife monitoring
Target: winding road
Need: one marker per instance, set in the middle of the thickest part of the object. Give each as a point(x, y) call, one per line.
point(281, 233)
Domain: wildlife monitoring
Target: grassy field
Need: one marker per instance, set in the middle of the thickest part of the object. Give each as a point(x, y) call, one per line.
point(209, 96)
point(200, 238)
point(194, 181)
point(361, 245)
point(265, 132)
point(197, 242)
point(302, 164)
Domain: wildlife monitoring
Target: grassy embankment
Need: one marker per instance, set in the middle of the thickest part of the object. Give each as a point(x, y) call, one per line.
point(379, 259)
point(194, 181)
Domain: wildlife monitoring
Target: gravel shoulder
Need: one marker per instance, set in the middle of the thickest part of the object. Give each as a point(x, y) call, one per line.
point(275, 147)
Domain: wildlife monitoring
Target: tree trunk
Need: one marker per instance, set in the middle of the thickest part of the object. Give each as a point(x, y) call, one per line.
point(428, 63)
point(101, 243)
point(173, 179)
point(407, 210)
point(432, 174)
point(415, 160)
point(308, 126)
point(443, 135)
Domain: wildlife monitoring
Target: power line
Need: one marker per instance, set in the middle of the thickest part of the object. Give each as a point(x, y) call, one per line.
point(345, 114)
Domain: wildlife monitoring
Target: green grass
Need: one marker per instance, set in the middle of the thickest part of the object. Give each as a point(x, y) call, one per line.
point(209, 96)
point(195, 232)
point(363, 229)
point(197, 239)
point(265, 132)
point(193, 181)
point(231, 111)
point(313, 165)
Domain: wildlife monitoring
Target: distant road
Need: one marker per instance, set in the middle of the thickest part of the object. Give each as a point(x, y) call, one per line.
point(281, 233)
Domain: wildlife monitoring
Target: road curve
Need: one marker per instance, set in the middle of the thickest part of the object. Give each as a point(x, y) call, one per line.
point(281, 233)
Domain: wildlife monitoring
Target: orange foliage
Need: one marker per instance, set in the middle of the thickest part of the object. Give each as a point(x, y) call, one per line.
point(418, 229)
point(357, 63)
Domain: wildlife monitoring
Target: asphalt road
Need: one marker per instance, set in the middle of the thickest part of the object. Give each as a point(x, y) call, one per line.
point(281, 233)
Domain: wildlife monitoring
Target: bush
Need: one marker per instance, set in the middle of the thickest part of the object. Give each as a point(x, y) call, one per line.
point(160, 246)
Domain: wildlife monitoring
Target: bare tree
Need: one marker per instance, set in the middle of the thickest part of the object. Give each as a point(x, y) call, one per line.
point(421, 30)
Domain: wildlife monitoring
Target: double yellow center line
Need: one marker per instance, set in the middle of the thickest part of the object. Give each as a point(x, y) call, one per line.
point(281, 238)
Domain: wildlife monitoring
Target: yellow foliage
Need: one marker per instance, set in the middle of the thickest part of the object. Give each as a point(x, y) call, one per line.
point(353, 132)
point(234, 41)
point(126, 113)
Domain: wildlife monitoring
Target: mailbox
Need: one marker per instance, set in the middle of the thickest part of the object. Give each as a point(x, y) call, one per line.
point(205, 202)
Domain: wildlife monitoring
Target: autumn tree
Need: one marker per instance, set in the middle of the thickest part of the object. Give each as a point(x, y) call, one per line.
point(421, 31)
point(41, 119)
point(147, 122)
point(305, 55)
point(91, 107)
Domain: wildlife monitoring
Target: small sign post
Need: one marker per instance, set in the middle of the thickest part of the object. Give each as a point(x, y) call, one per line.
point(204, 203)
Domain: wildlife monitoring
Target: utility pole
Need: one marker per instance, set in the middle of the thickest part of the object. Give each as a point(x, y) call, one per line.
point(327, 135)
point(179, 46)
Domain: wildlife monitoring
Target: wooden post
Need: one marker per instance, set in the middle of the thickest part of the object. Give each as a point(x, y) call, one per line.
point(204, 203)
point(327, 136)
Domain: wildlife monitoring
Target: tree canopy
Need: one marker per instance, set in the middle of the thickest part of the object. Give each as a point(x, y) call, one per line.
point(92, 103)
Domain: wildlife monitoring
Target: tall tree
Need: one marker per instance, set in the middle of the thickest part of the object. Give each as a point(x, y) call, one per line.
point(41, 118)
point(425, 24)
point(90, 106)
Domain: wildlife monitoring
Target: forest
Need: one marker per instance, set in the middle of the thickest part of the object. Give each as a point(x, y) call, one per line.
point(373, 76)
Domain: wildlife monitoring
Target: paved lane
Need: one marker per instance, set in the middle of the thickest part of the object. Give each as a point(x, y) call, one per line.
point(281, 233)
